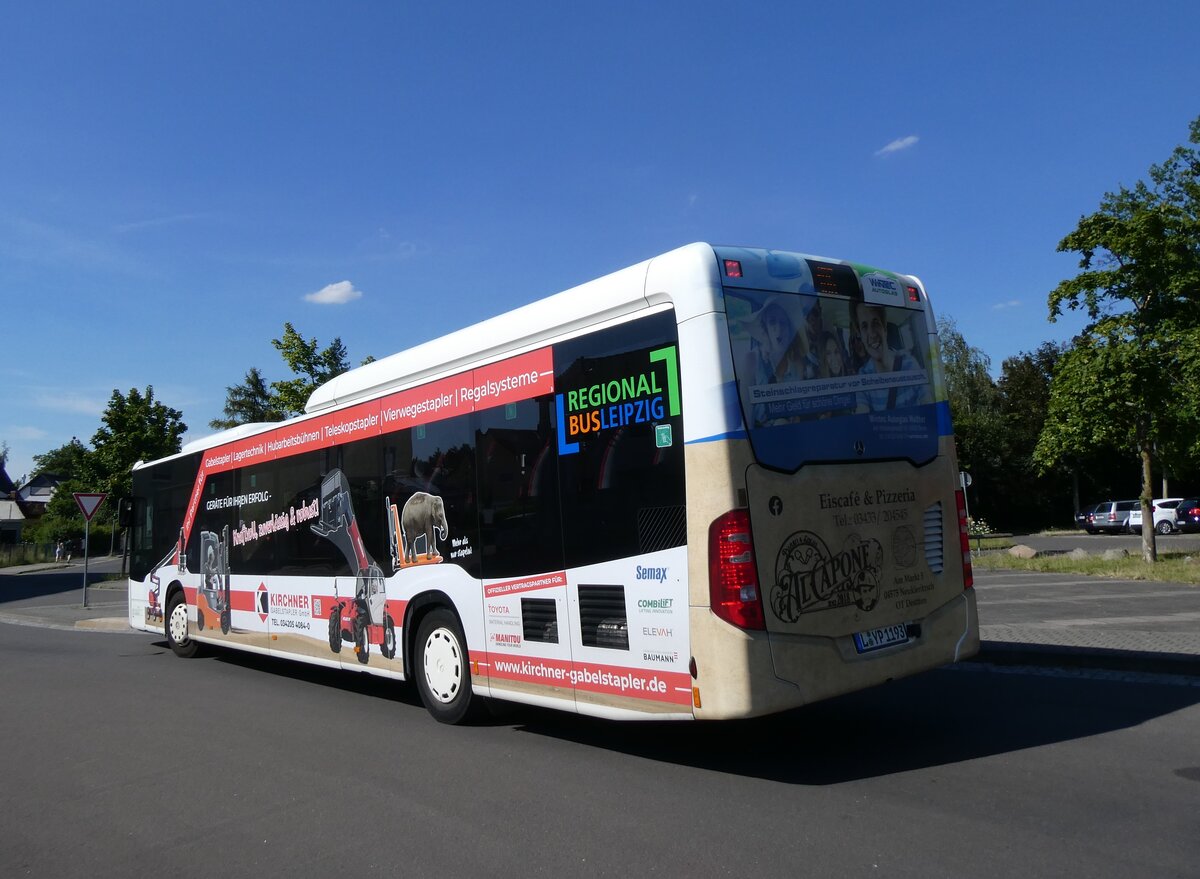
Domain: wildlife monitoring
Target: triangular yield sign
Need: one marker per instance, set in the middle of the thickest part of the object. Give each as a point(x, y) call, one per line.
point(89, 503)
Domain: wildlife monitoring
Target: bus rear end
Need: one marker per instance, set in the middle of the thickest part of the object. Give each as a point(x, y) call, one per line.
point(843, 561)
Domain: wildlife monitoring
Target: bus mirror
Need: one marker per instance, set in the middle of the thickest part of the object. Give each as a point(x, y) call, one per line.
point(125, 512)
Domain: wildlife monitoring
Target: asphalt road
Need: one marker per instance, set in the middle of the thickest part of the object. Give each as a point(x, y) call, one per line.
point(122, 760)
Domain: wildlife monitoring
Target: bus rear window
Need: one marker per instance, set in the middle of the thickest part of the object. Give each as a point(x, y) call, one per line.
point(825, 378)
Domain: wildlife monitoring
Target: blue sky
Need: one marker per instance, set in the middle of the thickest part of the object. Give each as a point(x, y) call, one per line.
point(179, 177)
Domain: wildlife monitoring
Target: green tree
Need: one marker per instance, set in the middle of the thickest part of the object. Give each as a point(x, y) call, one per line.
point(134, 427)
point(249, 402)
point(253, 400)
point(1033, 499)
point(312, 367)
point(69, 460)
point(975, 410)
point(1129, 381)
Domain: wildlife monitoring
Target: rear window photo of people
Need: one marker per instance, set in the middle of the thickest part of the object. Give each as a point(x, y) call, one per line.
point(800, 357)
point(909, 385)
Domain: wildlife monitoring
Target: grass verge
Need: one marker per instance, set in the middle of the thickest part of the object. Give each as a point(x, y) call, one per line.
point(1171, 567)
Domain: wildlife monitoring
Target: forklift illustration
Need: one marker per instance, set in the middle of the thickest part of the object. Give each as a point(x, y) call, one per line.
point(177, 558)
point(363, 620)
point(214, 595)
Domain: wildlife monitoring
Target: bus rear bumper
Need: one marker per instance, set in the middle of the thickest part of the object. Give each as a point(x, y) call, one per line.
point(748, 674)
point(826, 667)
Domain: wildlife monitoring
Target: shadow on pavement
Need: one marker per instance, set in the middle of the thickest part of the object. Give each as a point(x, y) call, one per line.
point(15, 587)
point(945, 716)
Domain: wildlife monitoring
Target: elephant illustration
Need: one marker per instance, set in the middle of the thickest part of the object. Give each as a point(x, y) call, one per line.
point(423, 515)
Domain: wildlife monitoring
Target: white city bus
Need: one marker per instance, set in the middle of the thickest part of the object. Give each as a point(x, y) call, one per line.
point(720, 483)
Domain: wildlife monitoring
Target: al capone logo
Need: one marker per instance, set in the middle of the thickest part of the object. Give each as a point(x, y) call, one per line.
point(632, 399)
point(809, 577)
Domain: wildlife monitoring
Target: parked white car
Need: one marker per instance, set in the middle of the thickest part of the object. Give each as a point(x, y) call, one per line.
point(1164, 515)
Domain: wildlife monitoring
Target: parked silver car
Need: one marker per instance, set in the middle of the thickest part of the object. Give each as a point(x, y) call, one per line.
point(1112, 517)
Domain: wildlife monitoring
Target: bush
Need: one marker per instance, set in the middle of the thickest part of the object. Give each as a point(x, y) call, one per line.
point(978, 527)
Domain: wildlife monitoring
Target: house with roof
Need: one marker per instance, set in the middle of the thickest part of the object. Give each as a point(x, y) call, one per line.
point(11, 517)
point(34, 496)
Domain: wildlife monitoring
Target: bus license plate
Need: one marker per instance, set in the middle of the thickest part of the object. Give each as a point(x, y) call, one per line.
point(876, 639)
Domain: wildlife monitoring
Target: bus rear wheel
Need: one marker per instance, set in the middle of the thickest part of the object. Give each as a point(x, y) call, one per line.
point(443, 672)
point(177, 627)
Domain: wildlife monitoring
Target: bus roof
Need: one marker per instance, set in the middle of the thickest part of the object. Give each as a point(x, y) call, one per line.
point(687, 278)
point(692, 274)
point(531, 326)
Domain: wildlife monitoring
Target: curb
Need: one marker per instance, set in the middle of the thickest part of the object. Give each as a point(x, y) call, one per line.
point(117, 625)
point(1063, 656)
point(107, 624)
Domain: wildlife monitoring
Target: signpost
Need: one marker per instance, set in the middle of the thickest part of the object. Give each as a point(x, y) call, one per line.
point(88, 504)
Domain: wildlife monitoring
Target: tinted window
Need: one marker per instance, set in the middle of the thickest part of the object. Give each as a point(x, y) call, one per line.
point(620, 441)
point(430, 480)
point(825, 378)
point(520, 525)
point(299, 482)
point(161, 495)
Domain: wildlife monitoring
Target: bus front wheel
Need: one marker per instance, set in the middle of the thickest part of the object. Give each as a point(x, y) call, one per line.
point(443, 672)
point(177, 628)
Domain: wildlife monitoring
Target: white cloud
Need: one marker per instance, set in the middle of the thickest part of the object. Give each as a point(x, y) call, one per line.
point(1011, 303)
point(897, 145)
point(154, 222)
point(66, 401)
point(334, 294)
point(21, 432)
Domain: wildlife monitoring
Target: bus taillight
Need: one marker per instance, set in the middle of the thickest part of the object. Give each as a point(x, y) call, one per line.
point(964, 540)
point(732, 571)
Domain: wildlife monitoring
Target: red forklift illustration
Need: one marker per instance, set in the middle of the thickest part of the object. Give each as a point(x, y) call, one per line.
point(363, 620)
point(213, 594)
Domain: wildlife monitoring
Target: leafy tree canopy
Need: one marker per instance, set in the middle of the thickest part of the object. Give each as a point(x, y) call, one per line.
point(251, 401)
point(68, 460)
point(134, 427)
point(254, 400)
point(1129, 380)
point(312, 366)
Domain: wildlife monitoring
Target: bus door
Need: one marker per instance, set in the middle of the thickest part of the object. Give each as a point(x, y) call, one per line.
point(527, 626)
point(221, 563)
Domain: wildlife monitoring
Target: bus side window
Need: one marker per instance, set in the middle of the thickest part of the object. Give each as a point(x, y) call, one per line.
point(518, 489)
point(622, 474)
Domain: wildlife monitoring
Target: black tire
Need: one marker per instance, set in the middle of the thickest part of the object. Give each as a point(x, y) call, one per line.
point(362, 647)
point(175, 626)
point(335, 630)
point(389, 637)
point(1163, 527)
point(200, 619)
point(442, 668)
point(226, 621)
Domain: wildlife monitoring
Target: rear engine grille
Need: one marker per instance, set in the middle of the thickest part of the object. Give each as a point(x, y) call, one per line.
point(934, 537)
